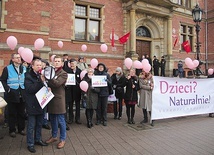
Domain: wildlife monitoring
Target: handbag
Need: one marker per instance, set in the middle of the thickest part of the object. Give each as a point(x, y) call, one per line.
point(3, 103)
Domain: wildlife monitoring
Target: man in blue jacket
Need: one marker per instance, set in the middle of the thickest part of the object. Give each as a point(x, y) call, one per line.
point(13, 77)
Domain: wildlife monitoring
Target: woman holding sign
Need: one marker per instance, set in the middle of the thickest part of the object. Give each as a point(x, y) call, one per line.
point(33, 83)
point(91, 97)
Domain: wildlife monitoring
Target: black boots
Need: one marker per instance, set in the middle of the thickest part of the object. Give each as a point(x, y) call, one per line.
point(129, 121)
point(89, 116)
point(132, 120)
point(145, 120)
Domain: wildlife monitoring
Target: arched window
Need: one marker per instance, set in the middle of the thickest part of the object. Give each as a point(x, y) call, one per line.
point(142, 31)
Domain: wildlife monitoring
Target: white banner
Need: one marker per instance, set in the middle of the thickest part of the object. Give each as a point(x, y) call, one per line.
point(99, 81)
point(71, 80)
point(44, 96)
point(175, 97)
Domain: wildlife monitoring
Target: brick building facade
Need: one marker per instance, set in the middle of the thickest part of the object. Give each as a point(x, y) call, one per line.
point(153, 24)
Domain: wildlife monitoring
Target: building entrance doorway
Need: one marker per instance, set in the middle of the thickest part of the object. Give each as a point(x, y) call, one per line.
point(143, 48)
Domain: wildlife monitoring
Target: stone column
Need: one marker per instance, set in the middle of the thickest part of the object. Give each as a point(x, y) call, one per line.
point(170, 60)
point(169, 36)
point(132, 53)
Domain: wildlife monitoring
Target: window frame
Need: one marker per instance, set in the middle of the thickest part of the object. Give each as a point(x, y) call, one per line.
point(88, 19)
point(186, 35)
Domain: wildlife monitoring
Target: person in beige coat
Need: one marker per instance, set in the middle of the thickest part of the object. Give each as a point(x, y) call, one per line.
point(56, 107)
point(146, 85)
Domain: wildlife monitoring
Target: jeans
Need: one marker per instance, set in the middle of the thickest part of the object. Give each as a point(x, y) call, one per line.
point(58, 120)
point(34, 129)
point(45, 120)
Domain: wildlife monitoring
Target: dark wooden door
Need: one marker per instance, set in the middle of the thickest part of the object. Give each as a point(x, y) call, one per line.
point(143, 48)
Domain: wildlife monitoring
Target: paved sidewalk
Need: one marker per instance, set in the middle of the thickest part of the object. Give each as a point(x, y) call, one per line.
point(193, 135)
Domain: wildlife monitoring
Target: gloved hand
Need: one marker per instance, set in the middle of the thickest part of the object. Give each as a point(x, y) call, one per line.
point(84, 96)
point(114, 86)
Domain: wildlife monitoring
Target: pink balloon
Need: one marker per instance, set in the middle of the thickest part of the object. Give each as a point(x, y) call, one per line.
point(39, 43)
point(82, 74)
point(144, 62)
point(104, 48)
point(12, 42)
point(84, 86)
point(196, 63)
point(20, 49)
point(27, 55)
point(137, 64)
point(94, 63)
point(60, 44)
point(128, 63)
point(188, 62)
point(83, 47)
point(210, 71)
point(52, 58)
point(191, 65)
point(147, 68)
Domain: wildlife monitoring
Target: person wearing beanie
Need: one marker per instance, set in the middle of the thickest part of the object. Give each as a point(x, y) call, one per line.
point(81, 63)
point(118, 83)
point(101, 112)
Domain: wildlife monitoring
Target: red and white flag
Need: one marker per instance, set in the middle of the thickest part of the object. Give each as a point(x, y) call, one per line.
point(175, 42)
point(124, 38)
point(186, 46)
point(112, 38)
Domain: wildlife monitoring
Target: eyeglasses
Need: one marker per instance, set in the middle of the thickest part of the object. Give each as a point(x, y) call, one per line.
point(17, 58)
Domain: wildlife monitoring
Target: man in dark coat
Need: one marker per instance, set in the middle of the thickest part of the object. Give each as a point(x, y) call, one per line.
point(73, 93)
point(163, 66)
point(12, 78)
point(103, 95)
point(156, 65)
point(33, 83)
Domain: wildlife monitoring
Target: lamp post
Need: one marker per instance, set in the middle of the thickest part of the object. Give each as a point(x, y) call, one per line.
point(197, 16)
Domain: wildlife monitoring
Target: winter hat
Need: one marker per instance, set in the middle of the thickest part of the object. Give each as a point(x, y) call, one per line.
point(119, 69)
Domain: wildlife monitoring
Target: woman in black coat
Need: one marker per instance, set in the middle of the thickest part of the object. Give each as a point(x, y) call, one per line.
point(33, 83)
point(118, 83)
point(131, 95)
point(90, 97)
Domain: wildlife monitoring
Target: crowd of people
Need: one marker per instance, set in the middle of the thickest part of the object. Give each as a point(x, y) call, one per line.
point(22, 81)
